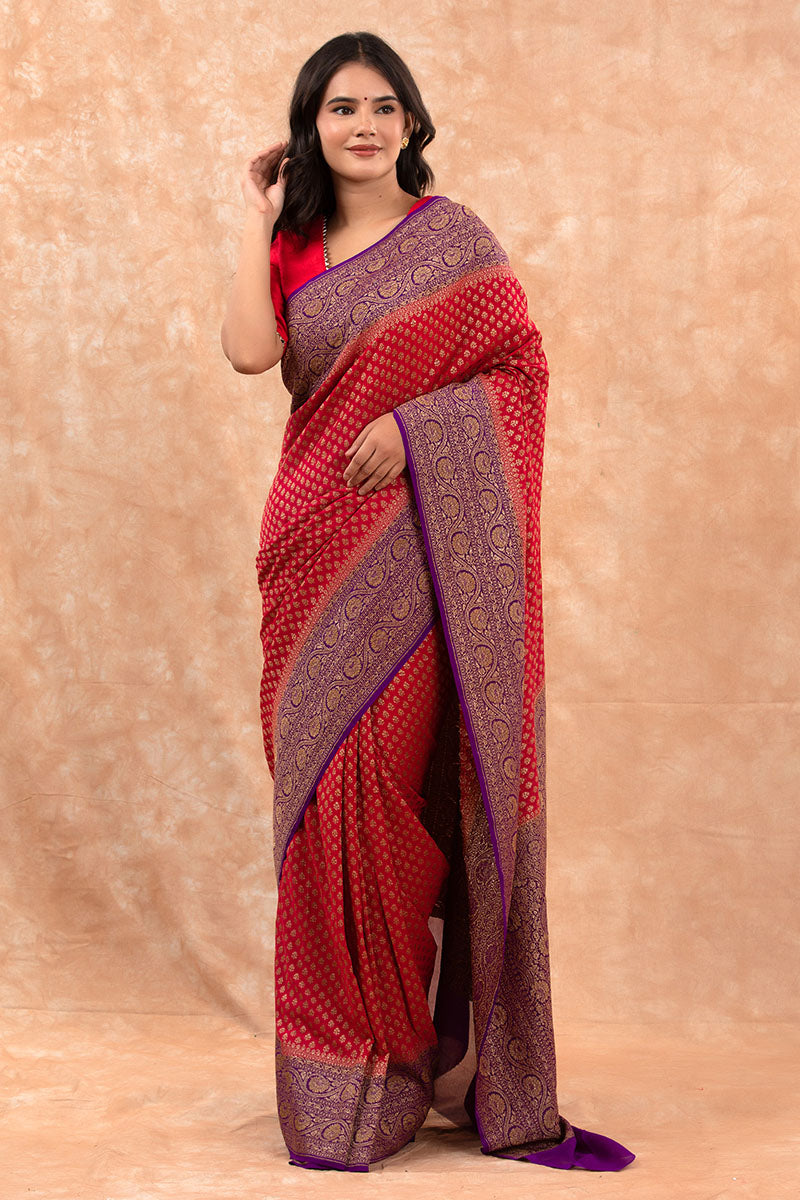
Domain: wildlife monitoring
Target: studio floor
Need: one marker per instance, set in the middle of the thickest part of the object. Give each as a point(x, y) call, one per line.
point(138, 1106)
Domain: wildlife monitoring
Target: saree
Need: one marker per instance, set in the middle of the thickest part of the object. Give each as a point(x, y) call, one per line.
point(403, 712)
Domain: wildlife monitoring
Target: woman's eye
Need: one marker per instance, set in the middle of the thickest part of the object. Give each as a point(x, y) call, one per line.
point(347, 109)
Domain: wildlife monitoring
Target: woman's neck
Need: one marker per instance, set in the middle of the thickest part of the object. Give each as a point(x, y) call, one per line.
point(368, 204)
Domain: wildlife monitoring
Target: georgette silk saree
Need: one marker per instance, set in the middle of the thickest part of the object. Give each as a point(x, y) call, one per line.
point(403, 710)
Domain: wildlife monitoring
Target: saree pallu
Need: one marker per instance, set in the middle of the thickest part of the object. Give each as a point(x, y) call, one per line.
point(403, 712)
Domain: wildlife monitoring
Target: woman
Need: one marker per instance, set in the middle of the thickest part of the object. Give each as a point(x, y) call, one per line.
point(402, 696)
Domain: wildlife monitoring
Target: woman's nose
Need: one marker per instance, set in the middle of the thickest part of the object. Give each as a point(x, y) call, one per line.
point(366, 124)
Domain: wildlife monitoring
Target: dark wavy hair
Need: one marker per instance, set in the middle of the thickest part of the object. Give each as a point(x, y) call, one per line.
point(309, 188)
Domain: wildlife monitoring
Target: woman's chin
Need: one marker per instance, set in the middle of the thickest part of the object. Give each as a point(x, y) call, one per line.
point(359, 170)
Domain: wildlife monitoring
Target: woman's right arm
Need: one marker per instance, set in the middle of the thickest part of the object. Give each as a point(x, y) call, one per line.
point(249, 332)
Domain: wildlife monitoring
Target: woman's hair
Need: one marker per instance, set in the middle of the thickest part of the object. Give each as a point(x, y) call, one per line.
point(309, 188)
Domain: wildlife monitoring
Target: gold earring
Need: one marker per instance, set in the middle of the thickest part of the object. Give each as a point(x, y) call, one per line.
point(404, 143)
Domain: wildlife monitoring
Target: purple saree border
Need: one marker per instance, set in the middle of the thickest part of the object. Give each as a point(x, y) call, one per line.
point(366, 249)
point(470, 732)
point(330, 1164)
point(325, 1164)
point(376, 691)
point(454, 663)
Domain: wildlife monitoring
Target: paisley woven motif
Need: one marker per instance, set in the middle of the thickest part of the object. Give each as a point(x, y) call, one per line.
point(349, 1115)
point(403, 709)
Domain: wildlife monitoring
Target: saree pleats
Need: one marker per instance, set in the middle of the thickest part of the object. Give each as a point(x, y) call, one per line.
point(354, 951)
point(403, 711)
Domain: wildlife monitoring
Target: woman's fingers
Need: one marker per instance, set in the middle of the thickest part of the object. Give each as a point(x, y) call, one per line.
point(376, 482)
point(266, 158)
point(372, 469)
point(381, 476)
point(373, 483)
point(355, 467)
point(356, 472)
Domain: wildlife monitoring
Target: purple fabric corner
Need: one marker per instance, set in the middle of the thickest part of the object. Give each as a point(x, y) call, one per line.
point(588, 1151)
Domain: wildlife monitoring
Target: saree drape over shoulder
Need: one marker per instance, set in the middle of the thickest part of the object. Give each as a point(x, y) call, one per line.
point(403, 710)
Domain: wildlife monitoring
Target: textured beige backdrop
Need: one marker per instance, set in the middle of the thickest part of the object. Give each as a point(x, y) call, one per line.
point(636, 161)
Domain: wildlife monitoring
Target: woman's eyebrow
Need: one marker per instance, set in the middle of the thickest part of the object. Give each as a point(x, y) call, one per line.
point(352, 100)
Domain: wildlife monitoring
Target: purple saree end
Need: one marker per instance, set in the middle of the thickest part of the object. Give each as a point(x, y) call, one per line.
point(323, 1164)
point(588, 1151)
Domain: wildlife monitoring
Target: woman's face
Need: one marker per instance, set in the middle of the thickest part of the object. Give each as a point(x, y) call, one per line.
point(361, 124)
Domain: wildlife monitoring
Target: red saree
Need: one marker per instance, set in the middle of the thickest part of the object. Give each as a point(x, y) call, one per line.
point(403, 710)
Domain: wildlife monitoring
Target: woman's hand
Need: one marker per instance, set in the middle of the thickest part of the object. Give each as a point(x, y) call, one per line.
point(377, 456)
point(257, 190)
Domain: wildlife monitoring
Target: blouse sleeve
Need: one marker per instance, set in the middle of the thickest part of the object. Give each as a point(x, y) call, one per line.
point(276, 288)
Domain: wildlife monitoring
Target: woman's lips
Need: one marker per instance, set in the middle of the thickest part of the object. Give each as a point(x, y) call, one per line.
point(364, 151)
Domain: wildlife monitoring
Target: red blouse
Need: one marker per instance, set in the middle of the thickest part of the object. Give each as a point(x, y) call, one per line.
point(293, 261)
